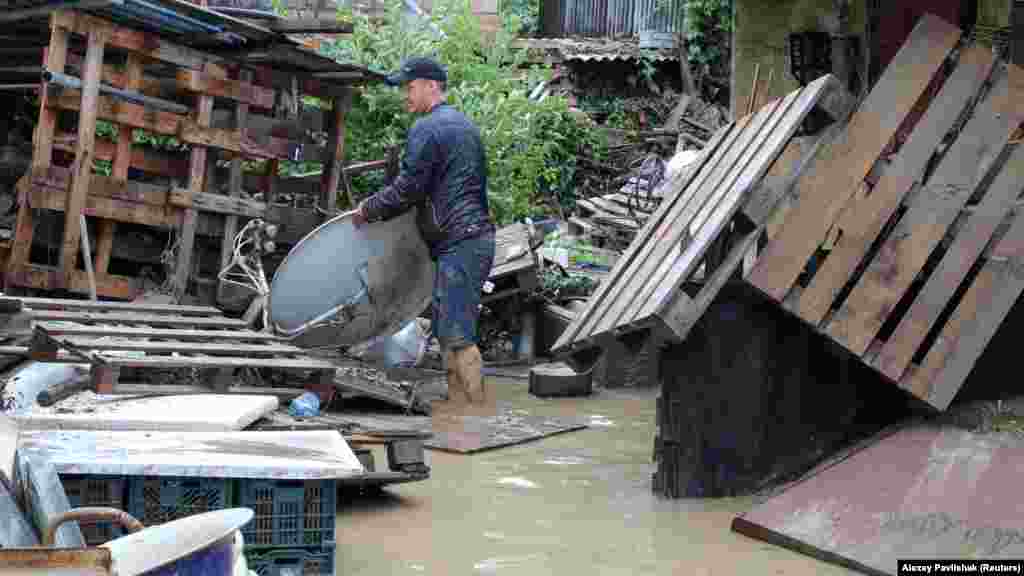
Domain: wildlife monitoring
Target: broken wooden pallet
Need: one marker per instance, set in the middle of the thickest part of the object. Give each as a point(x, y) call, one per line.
point(696, 221)
point(150, 337)
point(926, 256)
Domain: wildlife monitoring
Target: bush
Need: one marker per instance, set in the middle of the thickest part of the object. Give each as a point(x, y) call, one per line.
point(531, 146)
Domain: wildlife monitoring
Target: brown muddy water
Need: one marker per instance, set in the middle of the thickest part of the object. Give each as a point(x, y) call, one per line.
point(575, 503)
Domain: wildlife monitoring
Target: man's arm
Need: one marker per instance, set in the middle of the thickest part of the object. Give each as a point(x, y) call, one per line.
point(412, 182)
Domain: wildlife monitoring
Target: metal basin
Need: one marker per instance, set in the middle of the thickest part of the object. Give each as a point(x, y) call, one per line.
point(341, 286)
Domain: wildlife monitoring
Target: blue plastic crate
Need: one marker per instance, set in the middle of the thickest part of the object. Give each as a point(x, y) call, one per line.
point(160, 499)
point(290, 561)
point(104, 491)
point(289, 513)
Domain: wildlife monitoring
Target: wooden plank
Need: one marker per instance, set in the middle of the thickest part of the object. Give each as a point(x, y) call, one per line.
point(48, 278)
point(138, 307)
point(141, 157)
point(900, 347)
point(597, 213)
point(82, 167)
point(932, 211)
point(972, 325)
point(171, 124)
point(711, 191)
point(683, 312)
point(219, 203)
point(641, 203)
point(59, 178)
point(609, 287)
point(234, 190)
point(698, 193)
point(240, 90)
point(157, 333)
point(108, 208)
point(861, 223)
point(204, 362)
point(336, 154)
point(708, 225)
point(197, 173)
point(130, 318)
point(824, 191)
point(232, 348)
point(143, 43)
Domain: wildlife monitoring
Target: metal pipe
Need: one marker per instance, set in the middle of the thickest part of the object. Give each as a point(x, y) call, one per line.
point(73, 83)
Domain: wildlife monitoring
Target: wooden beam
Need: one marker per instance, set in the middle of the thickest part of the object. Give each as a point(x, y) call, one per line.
point(145, 44)
point(171, 124)
point(140, 157)
point(59, 178)
point(219, 203)
point(195, 185)
point(41, 197)
point(48, 278)
point(336, 153)
point(240, 90)
point(82, 166)
point(311, 26)
point(234, 188)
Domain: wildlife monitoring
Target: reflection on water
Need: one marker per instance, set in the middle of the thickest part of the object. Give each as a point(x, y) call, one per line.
point(576, 503)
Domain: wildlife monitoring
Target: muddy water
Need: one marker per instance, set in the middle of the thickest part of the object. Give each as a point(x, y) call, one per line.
point(577, 503)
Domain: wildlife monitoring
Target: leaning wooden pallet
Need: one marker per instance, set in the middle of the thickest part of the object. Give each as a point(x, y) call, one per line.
point(706, 216)
point(116, 336)
point(925, 266)
point(138, 81)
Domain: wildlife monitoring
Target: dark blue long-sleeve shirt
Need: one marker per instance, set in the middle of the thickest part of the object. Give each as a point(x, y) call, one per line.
point(444, 172)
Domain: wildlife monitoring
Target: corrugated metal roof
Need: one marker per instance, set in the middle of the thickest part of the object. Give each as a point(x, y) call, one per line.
point(595, 49)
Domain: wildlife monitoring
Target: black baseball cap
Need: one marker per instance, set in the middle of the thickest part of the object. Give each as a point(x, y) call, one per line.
point(414, 68)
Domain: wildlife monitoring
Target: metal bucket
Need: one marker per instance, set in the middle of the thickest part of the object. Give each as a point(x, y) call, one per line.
point(341, 286)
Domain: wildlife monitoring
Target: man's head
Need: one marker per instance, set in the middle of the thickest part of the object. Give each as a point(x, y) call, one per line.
point(423, 82)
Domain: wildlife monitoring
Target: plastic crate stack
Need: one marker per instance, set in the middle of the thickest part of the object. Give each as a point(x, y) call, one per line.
point(292, 530)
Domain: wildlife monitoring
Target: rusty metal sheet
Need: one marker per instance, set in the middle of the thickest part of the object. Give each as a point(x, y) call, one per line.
point(923, 492)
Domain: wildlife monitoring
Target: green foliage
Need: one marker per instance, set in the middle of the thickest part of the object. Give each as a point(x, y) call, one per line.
point(528, 13)
point(531, 146)
point(708, 27)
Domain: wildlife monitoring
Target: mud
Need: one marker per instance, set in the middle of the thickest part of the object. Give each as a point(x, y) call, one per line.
point(576, 503)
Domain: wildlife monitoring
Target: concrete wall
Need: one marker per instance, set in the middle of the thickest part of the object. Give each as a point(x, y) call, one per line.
point(760, 31)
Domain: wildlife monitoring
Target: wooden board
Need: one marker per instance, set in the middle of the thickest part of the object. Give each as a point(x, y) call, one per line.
point(130, 318)
point(968, 246)
point(863, 221)
point(265, 455)
point(932, 210)
point(924, 492)
point(190, 413)
point(694, 218)
point(203, 362)
point(473, 434)
point(824, 191)
point(158, 333)
point(135, 307)
point(974, 322)
point(225, 347)
point(108, 208)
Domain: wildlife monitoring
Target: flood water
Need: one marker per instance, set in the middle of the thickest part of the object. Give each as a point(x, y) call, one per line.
point(575, 503)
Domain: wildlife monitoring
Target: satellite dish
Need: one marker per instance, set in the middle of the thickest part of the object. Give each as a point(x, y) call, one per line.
point(341, 286)
point(204, 541)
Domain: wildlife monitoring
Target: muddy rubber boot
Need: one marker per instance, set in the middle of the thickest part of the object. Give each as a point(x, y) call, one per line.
point(458, 395)
point(469, 364)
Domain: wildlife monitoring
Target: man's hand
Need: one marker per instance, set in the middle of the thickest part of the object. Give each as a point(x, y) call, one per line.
point(359, 218)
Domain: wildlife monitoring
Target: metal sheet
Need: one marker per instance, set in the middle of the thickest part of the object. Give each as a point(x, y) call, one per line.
point(922, 492)
point(341, 286)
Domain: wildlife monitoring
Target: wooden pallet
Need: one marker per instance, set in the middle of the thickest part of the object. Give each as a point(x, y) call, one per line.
point(695, 224)
point(515, 264)
point(169, 336)
point(926, 244)
point(173, 77)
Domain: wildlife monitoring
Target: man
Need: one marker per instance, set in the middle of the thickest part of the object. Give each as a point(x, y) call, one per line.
point(444, 175)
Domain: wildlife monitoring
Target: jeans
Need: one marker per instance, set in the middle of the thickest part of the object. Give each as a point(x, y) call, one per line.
point(459, 279)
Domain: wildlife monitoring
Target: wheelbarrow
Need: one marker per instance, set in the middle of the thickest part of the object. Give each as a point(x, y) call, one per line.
point(201, 544)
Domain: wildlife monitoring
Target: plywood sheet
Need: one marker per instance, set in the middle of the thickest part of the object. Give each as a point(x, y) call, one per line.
point(471, 434)
point(923, 492)
point(186, 413)
point(285, 455)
